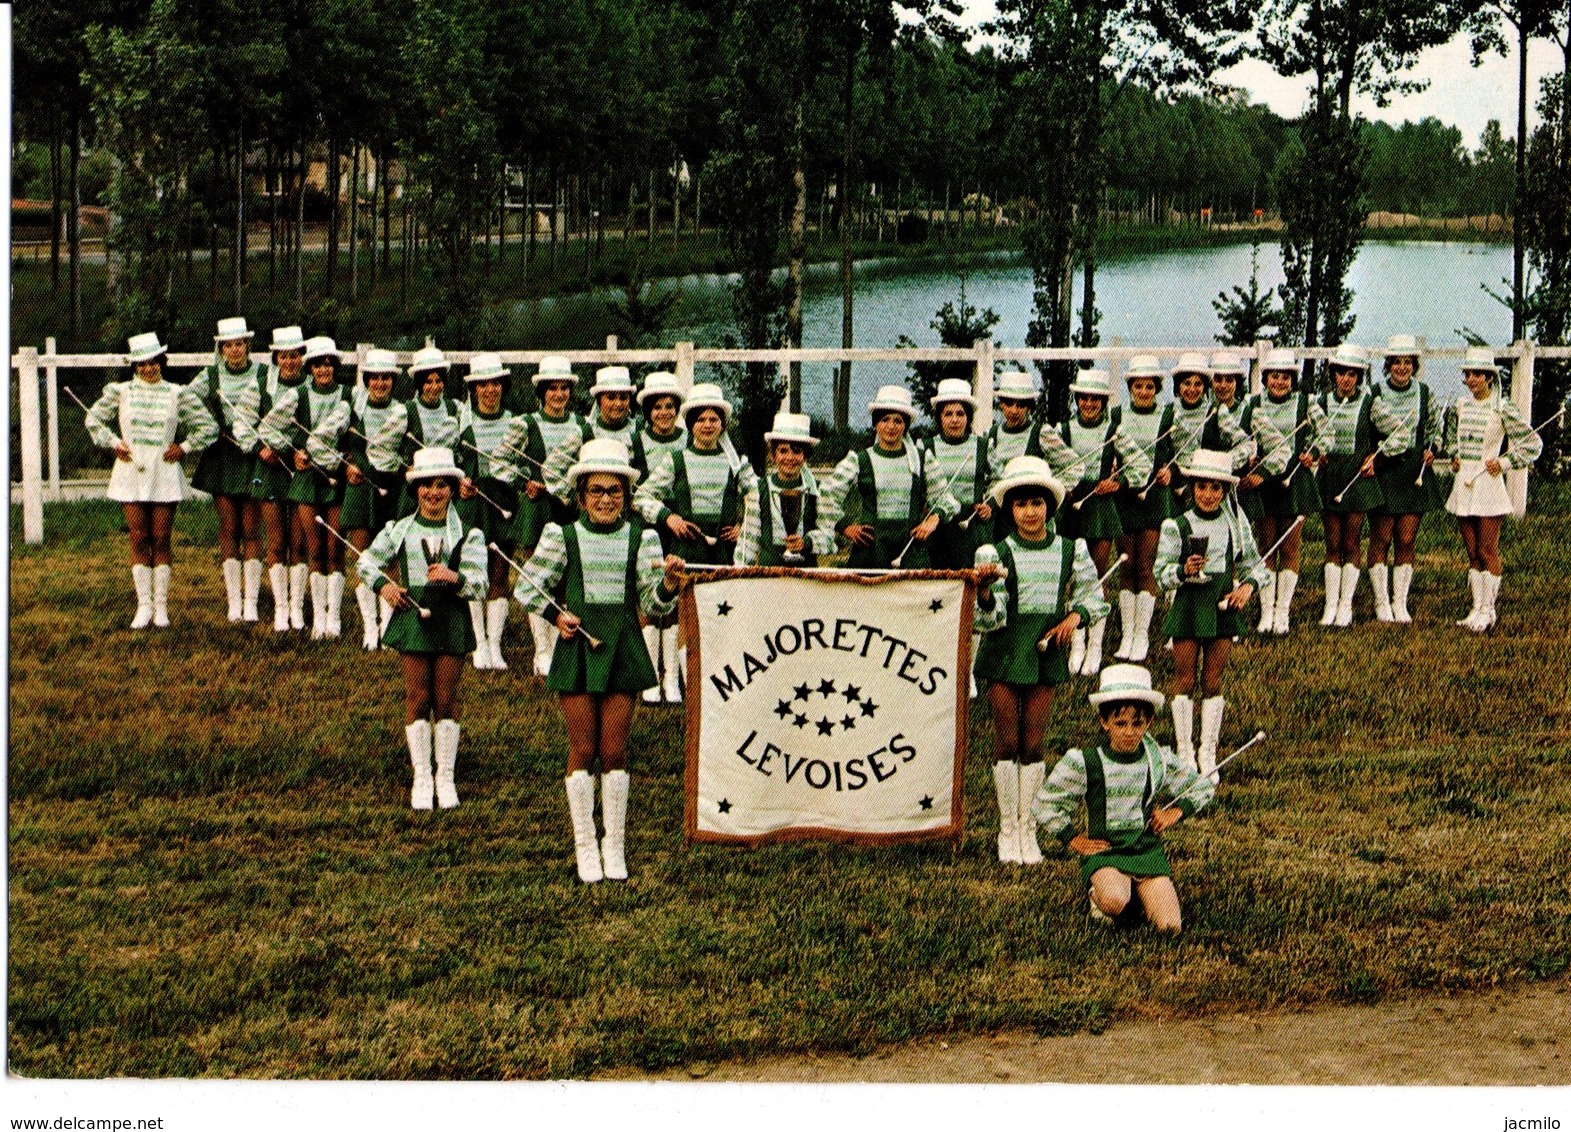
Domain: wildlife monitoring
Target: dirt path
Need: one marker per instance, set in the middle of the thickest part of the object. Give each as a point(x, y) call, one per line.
point(1516, 1037)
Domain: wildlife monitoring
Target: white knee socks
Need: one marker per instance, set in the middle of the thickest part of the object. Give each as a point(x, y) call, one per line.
point(418, 734)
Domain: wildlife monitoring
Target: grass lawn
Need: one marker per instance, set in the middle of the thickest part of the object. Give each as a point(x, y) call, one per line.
point(214, 870)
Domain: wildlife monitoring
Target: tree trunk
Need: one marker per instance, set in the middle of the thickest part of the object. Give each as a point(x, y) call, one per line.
point(600, 216)
point(586, 210)
point(270, 180)
point(331, 179)
point(649, 231)
point(1518, 250)
point(798, 232)
point(405, 234)
point(529, 213)
point(847, 313)
point(300, 230)
point(242, 247)
point(556, 198)
point(632, 209)
point(75, 229)
point(354, 222)
point(676, 205)
point(56, 205)
point(698, 206)
point(387, 212)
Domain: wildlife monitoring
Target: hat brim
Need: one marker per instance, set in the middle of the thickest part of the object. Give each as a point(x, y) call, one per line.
point(1148, 374)
point(645, 394)
point(247, 335)
point(414, 475)
point(476, 378)
point(790, 438)
point(539, 379)
point(1154, 698)
point(334, 354)
point(1090, 391)
point(1004, 486)
point(597, 389)
point(429, 367)
point(1207, 474)
point(578, 471)
point(954, 398)
point(877, 407)
point(145, 356)
point(691, 407)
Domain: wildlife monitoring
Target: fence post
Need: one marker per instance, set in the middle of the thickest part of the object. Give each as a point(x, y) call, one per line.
point(52, 405)
point(684, 366)
point(610, 342)
point(1262, 348)
point(984, 385)
point(1522, 398)
point(32, 464)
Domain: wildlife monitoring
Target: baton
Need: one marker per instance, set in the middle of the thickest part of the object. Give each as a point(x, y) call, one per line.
point(1254, 467)
point(1212, 773)
point(1275, 546)
point(1534, 432)
point(1081, 502)
point(1152, 482)
point(1337, 498)
point(1041, 645)
point(594, 642)
point(404, 597)
point(503, 511)
point(895, 561)
point(142, 468)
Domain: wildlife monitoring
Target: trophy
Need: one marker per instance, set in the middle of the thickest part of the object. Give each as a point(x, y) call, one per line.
point(434, 555)
point(1198, 544)
point(791, 519)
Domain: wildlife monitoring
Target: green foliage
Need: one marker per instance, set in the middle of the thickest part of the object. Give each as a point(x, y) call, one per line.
point(1249, 315)
point(961, 327)
point(1546, 222)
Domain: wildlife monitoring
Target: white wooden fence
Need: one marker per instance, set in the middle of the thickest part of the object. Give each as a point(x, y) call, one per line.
point(37, 370)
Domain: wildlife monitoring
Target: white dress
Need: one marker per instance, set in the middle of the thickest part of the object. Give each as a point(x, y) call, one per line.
point(1477, 431)
point(147, 417)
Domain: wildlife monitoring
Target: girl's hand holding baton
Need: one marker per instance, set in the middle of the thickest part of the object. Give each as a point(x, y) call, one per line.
point(1492, 465)
point(1266, 557)
point(1063, 632)
point(567, 623)
point(1161, 815)
point(399, 597)
point(121, 449)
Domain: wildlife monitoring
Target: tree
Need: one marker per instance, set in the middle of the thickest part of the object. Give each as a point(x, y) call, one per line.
point(1249, 315)
point(963, 327)
point(1546, 226)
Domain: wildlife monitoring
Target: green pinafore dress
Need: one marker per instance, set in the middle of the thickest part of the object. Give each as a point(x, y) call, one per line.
point(1194, 615)
point(1009, 654)
point(890, 536)
point(1134, 852)
point(447, 631)
point(621, 663)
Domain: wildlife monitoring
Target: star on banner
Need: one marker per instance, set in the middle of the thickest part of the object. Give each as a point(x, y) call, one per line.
point(935, 605)
point(826, 688)
point(724, 609)
point(825, 727)
point(802, 692)
point(927, 802)
point(869, 708)
point(848, 722)
point(725, 806)
point(783, 708)
point(799, 721)
point(852, 693)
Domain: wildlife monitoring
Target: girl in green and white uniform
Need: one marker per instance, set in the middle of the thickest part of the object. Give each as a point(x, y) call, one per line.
point(959, 459)
point(231, 388)
point(1146, 428)
point(1282, 497)
point(1407, 480)
point(521, 458)
point(593, 577)
point(428, 418)
point(371, 474)
point(1359, 428)
point(442, 563)
point(150, 425)
point(485, 424)
point(305, 424)
point(766, 539)
point(1050, 591)
point(660, 431)
point(1208, 556)
point(1486, 436)
point(285, 548)
point(612, 394)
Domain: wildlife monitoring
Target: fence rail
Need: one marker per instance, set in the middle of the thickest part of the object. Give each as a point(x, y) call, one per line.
point(34, 366)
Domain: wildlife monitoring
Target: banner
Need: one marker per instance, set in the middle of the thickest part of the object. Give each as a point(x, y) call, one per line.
point(825, 704)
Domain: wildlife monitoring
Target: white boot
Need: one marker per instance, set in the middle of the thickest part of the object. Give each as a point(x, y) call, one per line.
point(278, 581)
point(335, 605)
point(1093, 658)
point(365, 599)
point(418, 734)
point(1378, 575)
point(976, 644)
point(251, 580)
point(299, 580)
point(1077, 652)
point(1210, 731)
point(652, 646)
point(1333, 575)
point(1031, 775)
point(543, 635)
point(671, 665)
point(1286, 583)
point(1344, 609)
point(1006, 780)
point(232, 587)
point(1401, 583)
point(495, 622)
point(142, 579)
point(1475, 583)
point(318, 586)
point(446, 742)
point(161, 596)
point(482, 655)
point(1126, 624)
point(1184, 729)
point(581, 804)
point(1145, 606)
point(384, 615)
point(1486, 614)
point(1267, 604)
point(613, 812)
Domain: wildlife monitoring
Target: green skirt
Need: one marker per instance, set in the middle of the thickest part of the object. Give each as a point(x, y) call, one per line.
point(1136, 854)
point(477, 512)
point(1194, 616)
point(1301, 496)
point(697, 550)
point(1403, 494)
point(951, 548)
point(270, 482)
point(1098, 517)
point(1362, 497)
point(224, 470)
point(1136, 514)
point(620, 664)
point(366, 510)
point(889, 540)
point(447, 632)
point(315, 489)
point(1250, 503)
point(1009, 655)
point(530, 520)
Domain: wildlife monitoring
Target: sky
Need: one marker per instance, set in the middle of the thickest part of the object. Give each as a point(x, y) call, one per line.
point(1458, 94)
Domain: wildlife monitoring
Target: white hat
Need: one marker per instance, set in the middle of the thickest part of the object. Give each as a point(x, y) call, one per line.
point(1144, 365)
point(1280, 360)
point(1402, 346)
point(287, 338)
point(612, 379)
point(553, 367)
point(1480, 358)
point(1093, 383)
point(322, 347)
point(661, 384)
point(892, 399)
point(433, 463)
point(428, 358)
point(1349, 356)
point(954, 389)
point(1028, 471)
point(378, 361)
point(601, 456)
point(1016, 386)
point(144, 348)
point(1191, 361)
point(1126, 682)
point(1229, 363)
point(705, 395)
point(485, 367)
point(231, 328)
point(1209, 464)
point(794, 427)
